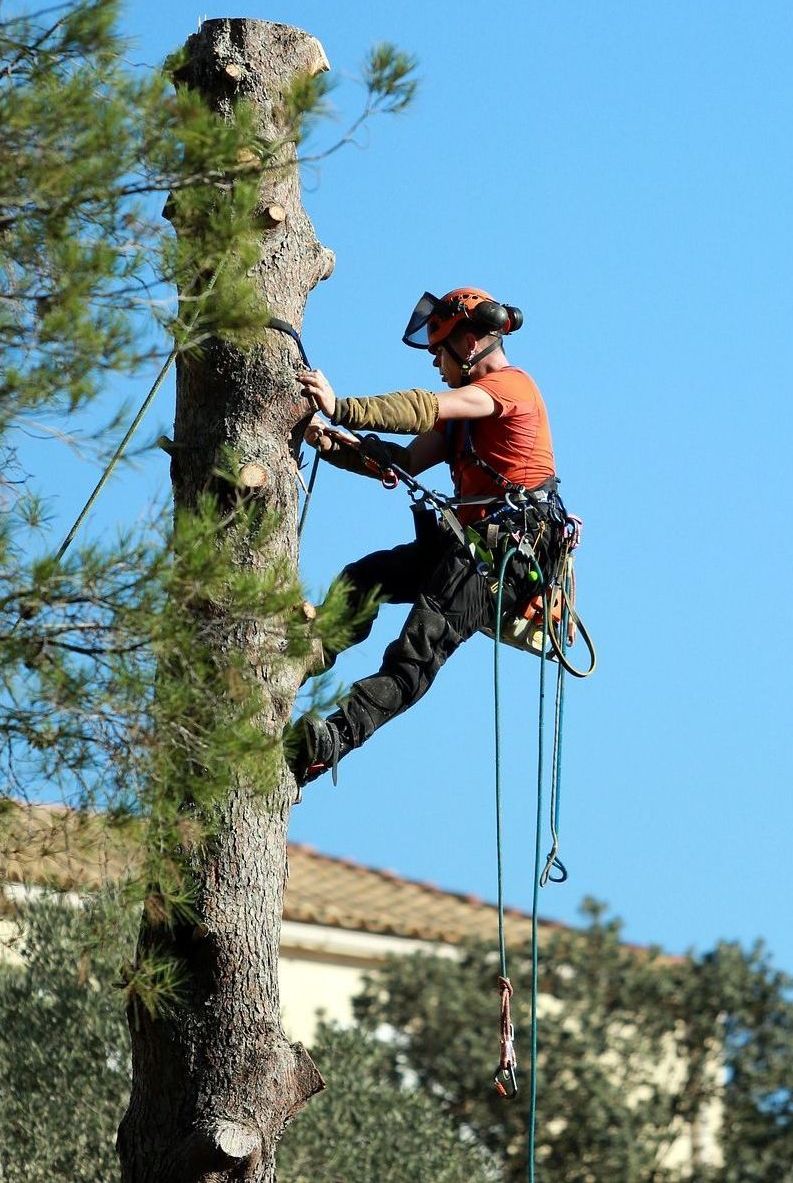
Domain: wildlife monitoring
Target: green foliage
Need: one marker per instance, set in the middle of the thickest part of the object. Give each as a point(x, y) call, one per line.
point(88, 149)
point(631, 1045)
point(368, 1125)
point(122, 688)
point(64, 1049)
point(389, 77)
point(756, 1002)
point(85, 144)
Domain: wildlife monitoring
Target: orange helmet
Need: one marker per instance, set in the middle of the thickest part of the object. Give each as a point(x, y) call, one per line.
point(432, 320)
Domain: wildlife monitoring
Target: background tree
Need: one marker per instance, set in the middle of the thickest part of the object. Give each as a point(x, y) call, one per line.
point(370, 1124)
point(634, 1049)
point(64, 1050)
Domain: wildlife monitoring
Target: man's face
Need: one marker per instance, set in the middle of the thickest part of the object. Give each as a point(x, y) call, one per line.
point(443, 361)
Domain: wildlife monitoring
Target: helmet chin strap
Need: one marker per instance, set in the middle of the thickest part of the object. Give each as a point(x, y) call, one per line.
point(467, 366)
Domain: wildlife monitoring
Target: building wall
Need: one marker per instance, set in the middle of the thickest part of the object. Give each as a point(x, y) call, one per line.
point(322, 969)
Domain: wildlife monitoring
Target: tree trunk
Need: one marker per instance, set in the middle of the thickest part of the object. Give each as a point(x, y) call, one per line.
point(215, 1082)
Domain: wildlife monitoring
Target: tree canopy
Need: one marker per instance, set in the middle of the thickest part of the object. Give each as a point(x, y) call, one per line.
point(637, 1052)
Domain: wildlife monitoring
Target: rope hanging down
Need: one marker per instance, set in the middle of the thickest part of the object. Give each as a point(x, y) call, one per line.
point(505, 1078)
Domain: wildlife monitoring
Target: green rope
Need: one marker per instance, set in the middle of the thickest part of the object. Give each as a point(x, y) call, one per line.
point(537, 858)
point(541, 877)
point(535, 947)
point(502, 948)
point(133, 427)
point(552, 860)
point(83, 514)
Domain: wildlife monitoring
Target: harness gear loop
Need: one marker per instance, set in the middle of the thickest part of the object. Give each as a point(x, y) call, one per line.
point(504, 1078)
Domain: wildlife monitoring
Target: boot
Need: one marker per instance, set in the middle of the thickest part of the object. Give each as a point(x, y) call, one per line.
point(318, 748)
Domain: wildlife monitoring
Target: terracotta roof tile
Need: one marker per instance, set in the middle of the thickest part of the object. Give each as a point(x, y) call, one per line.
point(372, 900)
point(64, 850)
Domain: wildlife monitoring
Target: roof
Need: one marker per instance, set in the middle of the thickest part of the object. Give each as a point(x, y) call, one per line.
point(59, 848)
point(346, 894)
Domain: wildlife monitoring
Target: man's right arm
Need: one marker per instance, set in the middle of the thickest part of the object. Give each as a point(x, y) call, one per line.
point(345, 452)
point(425, 452)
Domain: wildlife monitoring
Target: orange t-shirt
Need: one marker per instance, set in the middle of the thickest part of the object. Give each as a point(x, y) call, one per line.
point(515, 441)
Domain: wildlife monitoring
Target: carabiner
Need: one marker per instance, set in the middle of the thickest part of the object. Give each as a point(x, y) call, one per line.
point(389, 479)
point(506, 1082)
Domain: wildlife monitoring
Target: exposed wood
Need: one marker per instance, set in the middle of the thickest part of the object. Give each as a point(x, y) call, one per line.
point(236, 1140)
point(252, 476)
point(275, 214)
point(215, 1082)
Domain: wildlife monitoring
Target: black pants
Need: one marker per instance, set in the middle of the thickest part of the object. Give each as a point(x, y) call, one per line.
point(450, 601)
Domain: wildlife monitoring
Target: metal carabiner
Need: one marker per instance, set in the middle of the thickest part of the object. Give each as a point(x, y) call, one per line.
point(389, 479)
point(506, 1082)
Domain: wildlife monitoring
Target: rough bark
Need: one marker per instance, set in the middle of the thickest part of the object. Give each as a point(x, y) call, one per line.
point(215, 1082)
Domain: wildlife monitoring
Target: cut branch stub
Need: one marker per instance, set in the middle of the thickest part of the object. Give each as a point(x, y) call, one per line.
point(236, 1140)
point(252, 476)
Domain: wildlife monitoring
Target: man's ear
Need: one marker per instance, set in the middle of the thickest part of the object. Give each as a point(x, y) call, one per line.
point(469, 344)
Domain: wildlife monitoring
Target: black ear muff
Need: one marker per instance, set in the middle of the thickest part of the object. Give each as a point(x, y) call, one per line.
point(515, 318)
point(491, 316)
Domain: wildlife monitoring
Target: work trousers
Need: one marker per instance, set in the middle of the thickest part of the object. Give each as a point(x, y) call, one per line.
point(450, 601)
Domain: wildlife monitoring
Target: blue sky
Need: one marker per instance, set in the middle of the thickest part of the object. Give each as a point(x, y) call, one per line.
point(621, 171)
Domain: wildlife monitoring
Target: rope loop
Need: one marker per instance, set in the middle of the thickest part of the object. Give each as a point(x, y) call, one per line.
point(553, 863)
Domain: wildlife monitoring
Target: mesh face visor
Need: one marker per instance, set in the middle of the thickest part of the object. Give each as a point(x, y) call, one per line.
point(429, 308)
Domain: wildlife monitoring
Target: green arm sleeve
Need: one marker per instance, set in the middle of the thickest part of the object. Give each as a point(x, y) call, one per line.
point(408, 412)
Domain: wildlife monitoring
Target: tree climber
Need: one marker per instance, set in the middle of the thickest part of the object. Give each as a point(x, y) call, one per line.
point(492, 428)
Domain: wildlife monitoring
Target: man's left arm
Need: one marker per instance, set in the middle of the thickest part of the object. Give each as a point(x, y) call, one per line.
point(407, 412)
point(469, 402)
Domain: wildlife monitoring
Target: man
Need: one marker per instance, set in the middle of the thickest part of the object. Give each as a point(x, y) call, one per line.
point(492, 427)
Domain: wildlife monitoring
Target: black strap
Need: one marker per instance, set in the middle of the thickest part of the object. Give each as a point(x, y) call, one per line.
point(469, 452)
